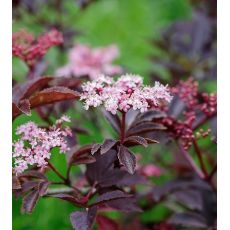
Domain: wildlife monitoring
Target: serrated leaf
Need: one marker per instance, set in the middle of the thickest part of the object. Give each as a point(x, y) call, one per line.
point(42, 187)
point(107, 145)
point(95, 148)
point(124, 204)
point(70, 198)
point(96, 172)
point(150, 115)
point(24, 106)
point(108, 196)
point(81, 155)
point(135, 140)
point(83, 220)
point(127, 159)
point(145, 127)
point(28, 185)
point(29, 201)
point(22, 92)
point(44, 97)
point(16, 183)
point(113, 120)
point(53, 94)
point(33, 174)
point(188, 219)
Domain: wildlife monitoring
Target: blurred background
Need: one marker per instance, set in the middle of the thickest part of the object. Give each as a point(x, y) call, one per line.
point(166, 40)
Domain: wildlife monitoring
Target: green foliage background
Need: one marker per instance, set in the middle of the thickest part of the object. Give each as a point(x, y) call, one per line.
point(131, 24)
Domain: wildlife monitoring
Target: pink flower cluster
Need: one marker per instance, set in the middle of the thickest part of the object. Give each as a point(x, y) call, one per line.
point(209, 106)
point(86, 61)
point(35, 145)
point(125, 93)
point(31, 50)
point(181, 128)
point(187, 92)
point(195, 103)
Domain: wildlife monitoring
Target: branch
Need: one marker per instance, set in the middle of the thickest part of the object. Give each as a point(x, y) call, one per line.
point(191, 162)
point(52, 191)
point(200, 158)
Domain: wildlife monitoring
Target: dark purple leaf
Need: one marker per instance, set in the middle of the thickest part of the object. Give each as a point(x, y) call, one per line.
point(108, 196)
point(46, 96)
point(113, 120)
point(107, 145)
point(16, 183)
point(190, 198)
point(129, 179)
point(124, 204)
point(34, 174)
point(105, 223)
point(150, 115)
point(83, 220)
point(189, 219)
point(144, 128)
point(29, 201)
point(95, 148)
point(127, 159)
point(24, 106)
point(81, 155)
point(70, 198)
point(72, 82)
point(25, 90)
point(135, 140)
point(97, 171)
point(42, 187)
point(28, 185)
point(180, 184)
point(53, 94)
point(84, 159)
point(22, 92)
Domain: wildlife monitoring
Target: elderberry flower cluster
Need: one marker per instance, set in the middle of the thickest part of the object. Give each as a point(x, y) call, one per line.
point(128, 92)
point(31, 50)
point(35, 144)
point(195, 104)
point(86, 61)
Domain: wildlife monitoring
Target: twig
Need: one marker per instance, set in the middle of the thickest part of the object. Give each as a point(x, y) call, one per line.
point(122, 135)
point(57, 172)
point(212, 173)
point(200, 158)
point(52, 191)
point(192, 163)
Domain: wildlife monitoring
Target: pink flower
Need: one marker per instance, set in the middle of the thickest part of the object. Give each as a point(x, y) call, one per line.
point(150, 170)
point(86, 61)
point(35, 144)
point(125, 93)
point(31, 50)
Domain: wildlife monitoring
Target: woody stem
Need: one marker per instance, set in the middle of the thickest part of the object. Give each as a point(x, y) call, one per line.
point(122, 134)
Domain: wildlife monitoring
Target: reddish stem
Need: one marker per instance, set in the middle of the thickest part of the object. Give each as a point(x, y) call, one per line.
point(31, 72)
point(212, 173)
point(122, 134)
point(57, 172)
point(192, 163)
point(200, 158)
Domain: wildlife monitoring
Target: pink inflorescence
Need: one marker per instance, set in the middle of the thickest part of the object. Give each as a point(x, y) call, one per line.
point(125, 93)
point(195, 103)
point(35, 145)
point(31, 50)
point(209, 106)
point(86, 61)
point(187, 92)
point(150, 170)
